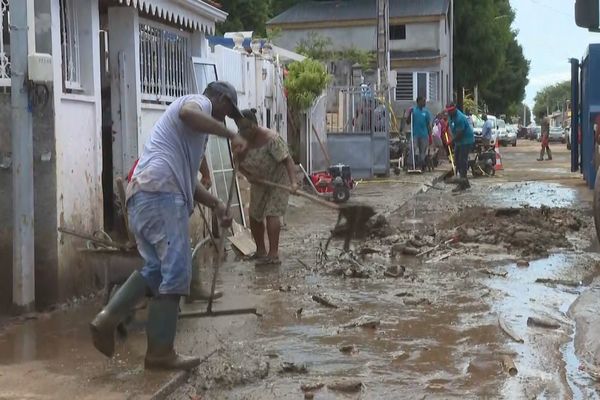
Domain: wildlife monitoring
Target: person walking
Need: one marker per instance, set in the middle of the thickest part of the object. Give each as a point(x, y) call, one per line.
point(266, 158)
point(545, 139)
point(420, 120)
point(463, 139)
point(160, 199)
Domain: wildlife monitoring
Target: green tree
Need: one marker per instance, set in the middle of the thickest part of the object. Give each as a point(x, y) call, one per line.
point(319, 47)
point(246, 15)
point(507, 87)
point(551, 98)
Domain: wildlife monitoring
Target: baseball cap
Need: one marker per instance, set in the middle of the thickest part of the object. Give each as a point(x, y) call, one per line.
point(227, 90)
point(450, 107)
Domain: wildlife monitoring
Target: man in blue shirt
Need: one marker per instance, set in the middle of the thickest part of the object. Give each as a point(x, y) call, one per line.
point(463, 138)
point(421, 130)
point(486, 130)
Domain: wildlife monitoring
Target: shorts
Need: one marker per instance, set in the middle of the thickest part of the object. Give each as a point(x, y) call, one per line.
point(160, 222)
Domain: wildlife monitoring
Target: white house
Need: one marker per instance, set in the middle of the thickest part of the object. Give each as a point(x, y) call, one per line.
point(116, 66)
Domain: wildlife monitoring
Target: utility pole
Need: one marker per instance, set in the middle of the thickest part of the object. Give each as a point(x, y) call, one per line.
point(383, 45)
point(524, 115)
point(22, 169)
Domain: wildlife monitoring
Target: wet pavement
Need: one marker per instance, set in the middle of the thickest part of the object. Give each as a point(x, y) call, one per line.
point(432, 332)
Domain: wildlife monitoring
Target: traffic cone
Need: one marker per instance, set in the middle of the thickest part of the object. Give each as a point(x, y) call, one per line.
point(498, 166)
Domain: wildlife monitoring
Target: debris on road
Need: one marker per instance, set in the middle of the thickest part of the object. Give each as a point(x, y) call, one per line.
point(348, 349)
point(323, 301)
point(395, 271)
point(363, 322)
point(492, 273)
point(293, 368)
point(522, 263)
point(542, 323)
point(509, 365)
point(508, 330)
point(311, 387)
point(562, 282)
point(417, 302)
point(346, 386)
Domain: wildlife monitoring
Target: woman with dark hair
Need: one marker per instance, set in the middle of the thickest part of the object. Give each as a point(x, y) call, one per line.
point(267, 158)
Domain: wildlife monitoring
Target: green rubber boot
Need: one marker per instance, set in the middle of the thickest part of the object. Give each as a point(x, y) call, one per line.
point(104, 325)
point(160, 330)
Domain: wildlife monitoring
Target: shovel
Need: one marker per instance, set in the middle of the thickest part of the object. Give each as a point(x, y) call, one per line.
point(356, 215)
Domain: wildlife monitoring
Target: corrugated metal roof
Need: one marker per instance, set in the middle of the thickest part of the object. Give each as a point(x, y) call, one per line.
point(341, 10)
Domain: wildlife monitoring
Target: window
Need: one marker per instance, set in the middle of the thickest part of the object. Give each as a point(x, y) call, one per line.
point(69, 35)
point(410, 85)
point(164, 63)
point(397, 32)
point(4, 44)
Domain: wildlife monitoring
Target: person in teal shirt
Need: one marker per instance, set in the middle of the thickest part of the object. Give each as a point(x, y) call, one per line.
point(463, 138)
point(421, 126)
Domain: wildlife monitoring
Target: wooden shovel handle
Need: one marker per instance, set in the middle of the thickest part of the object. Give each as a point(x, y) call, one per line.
point(310, 197)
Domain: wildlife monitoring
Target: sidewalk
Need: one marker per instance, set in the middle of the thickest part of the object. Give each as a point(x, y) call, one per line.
point(52, 357)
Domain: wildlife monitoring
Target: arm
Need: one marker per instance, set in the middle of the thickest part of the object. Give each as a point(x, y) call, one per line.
point(205, 171)
point(204, 197)
point(193, 116)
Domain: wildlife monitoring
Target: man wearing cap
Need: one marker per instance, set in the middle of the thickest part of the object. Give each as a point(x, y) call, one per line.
point(160, 200)
point(463, 139)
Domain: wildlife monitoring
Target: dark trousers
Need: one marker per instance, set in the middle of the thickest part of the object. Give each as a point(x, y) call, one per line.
point(461, 154)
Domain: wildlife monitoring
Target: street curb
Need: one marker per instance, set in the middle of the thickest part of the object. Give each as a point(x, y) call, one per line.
point(172, 384)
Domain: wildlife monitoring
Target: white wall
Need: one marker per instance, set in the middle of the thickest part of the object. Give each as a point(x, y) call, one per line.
point(78, 149)
point(419, 36)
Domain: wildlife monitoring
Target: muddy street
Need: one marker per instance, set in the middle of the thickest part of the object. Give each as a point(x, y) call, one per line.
point(493, 282)
point(487, 294)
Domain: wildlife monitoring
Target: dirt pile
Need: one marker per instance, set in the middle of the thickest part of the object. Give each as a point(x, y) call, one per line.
point(528, 231)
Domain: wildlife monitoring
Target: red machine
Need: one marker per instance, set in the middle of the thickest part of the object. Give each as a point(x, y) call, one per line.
point(336, 182)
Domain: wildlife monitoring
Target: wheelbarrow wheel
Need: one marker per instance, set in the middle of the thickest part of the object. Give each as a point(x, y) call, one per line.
point(341, 194)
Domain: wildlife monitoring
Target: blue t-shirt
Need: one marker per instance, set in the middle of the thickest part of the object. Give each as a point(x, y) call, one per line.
point(460, 123)
point(421, 120)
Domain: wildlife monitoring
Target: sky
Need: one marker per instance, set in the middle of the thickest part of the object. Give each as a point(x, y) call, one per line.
point(549, 37)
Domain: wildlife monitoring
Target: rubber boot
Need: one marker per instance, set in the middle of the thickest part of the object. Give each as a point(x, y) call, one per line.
point(197, 291)
point(160, 331)
point(541, 155)
point(549, 153)
point(120, 305)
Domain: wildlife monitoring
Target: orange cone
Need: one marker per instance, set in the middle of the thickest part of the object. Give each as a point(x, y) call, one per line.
point(498, 166)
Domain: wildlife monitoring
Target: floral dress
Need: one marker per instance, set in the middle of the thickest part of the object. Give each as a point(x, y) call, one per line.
point(266, 163)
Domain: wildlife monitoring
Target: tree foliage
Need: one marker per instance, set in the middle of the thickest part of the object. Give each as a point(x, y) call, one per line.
point(305, 82)
point(319, 47)
point(551, 98)
point(487, 53)
point(252, 15)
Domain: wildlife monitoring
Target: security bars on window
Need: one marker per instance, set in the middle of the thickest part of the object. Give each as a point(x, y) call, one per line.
point(164, 63)
point(69, 32)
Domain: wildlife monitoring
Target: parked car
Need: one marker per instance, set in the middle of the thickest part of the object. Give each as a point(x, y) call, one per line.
point(522, 132)
point(533, 132)
point(502, 132)
point(557, 134)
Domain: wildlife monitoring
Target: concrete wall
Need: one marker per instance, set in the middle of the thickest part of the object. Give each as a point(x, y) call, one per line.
point(419, 36)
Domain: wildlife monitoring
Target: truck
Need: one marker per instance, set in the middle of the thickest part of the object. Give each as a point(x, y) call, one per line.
point(585, 106)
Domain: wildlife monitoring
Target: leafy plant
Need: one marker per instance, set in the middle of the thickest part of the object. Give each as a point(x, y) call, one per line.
point(305, 82)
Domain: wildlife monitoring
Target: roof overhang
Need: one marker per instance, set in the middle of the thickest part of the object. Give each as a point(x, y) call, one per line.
point(192, 14)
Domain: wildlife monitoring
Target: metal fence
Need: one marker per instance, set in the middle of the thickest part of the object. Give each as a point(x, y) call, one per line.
point(360, 110)
point(165, 55)
point(4, 44)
